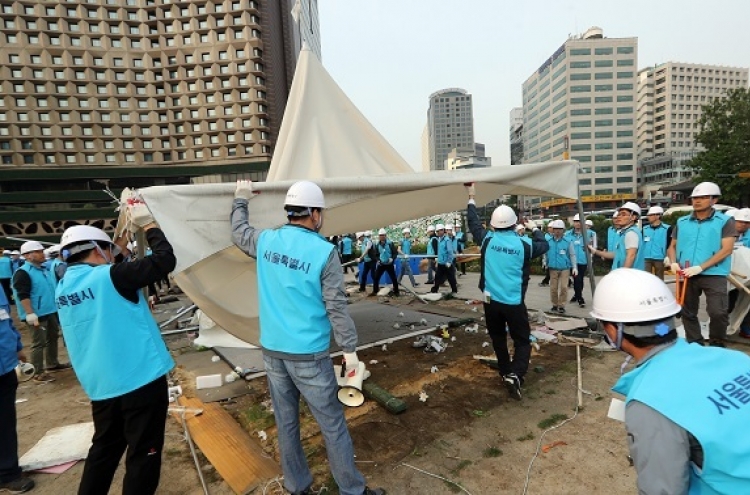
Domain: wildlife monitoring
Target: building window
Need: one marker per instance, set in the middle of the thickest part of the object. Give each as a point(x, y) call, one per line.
point(580, 51)
point(623, 50)
point(603, 51)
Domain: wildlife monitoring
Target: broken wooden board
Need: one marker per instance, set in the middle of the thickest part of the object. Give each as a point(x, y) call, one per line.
point(236, 457)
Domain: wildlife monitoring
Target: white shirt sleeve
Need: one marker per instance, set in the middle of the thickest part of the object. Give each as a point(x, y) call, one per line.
point(631, 240)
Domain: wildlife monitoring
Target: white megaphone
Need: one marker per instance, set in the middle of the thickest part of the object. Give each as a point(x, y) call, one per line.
point(24, 371)
point(350, 393)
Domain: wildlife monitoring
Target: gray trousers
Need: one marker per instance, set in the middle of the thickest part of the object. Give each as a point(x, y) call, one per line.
point(656, 267)
point(715, 289)
point(44, 338)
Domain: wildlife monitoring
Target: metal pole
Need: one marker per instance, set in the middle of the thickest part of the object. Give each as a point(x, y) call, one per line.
point(21, 239)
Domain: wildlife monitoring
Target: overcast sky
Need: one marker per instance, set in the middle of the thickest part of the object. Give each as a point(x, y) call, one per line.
point(389, 55)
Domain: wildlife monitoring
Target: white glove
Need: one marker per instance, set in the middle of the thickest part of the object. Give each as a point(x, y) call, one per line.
point(530, 225)
point(244, 189)
point(140, 216)
point(675, 268)
point(544, 264)
point(351, 363)
point(666, 261)
point(574, 272)
point(32, 319)
point(390, 260)
point(471, 189)
point(448, 265)
point(692, 271)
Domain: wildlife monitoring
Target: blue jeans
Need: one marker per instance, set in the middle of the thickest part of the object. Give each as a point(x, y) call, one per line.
point(316, 381)
point(406, 270)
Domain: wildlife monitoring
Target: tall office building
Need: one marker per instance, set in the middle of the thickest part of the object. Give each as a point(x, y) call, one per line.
point(581, 103)
point(516, 136)
point(139, 92)
point(670, 101)
point(450, 125)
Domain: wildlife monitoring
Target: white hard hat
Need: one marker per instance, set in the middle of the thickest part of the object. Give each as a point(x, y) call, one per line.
point(305, 193)
point(430, 228)
point(382, 232)
point(25, 371)
point(655, 210)
point(368, 233)
point(440, 226)
point(406, 231)
point(742, 215)
point(628, 295)
point(448, 226)
point(630, 206)
point(706, 189)
point(16, 252)
point(31, 246)
point(503, 217)
point(557, 224)
point(589, 223)
point(53, 250)
point(360, 234)
point(576, 218)
point(81, 238)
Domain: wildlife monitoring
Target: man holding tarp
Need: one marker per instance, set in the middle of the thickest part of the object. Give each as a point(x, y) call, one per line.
point(302, 300)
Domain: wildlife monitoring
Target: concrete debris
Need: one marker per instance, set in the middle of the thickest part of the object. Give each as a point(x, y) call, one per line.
point(423, 396)
point(215, 359)
point(411, 327)
point(396, 326)
point(384, 348)
point(485, 344)
point(423, 321)
point(401, 314)
point(231, 377)
point(472, 328)
point(373, 361)
point(208, 381)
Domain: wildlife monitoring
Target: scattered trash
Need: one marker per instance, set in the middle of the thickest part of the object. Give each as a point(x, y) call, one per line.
point(174, 392)
point(472, 328)
point(445, 333)
point(543, 336)
point(401, 314)
point(536, 346)
point(552, 445)
point(215, 359)
point(231, 377)
point(485, 344)
point(423, 321)
point(262, 435)
point(396, 326)
point(434, 369)
point(21, 401)
point(411, 327)
point(481, 319)
point(474, 309)
point(453, 339)
point(423, 396)
point(373, 361)
point(422, 341)
point(384, 348)
point(208, 381)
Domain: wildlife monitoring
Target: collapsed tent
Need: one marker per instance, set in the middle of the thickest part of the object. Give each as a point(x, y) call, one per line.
point(326, 139)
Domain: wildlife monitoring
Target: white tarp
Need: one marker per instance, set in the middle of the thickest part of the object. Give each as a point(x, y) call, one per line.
point(324, 138)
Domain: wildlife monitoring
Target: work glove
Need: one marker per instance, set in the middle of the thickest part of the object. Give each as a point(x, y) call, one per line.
point(244, 190)
point(675, 267)
point(574, 272)
point(530, 225)
point(692, 271)
point(140, 216)
point(350, 364)
point(390, 260)
point(448, 265)
point(666, 261)
point(32, 319)
point(471, 189)
point(544, 264)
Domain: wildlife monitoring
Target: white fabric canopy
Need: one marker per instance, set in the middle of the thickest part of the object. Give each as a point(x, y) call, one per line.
point(323, 138)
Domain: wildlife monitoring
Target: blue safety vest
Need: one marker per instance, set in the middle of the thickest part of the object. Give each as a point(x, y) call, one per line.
point(558, 256)
point(744, 239)
point(655, 242)
point(705, 391)
point(10, 339)
point(52, 265)
point(621, 252)
point(42, 291)
point(114, 344)
point(446, 253)
point(293, 317)
point(461, 239)
point(611, 238)
point(502, 267)
point(431, 246)
point(385, 251)
point(365, 248)
point(580, 247)
point(406, 245)
point(346, 245)
point(698, 240)
point(6, 267)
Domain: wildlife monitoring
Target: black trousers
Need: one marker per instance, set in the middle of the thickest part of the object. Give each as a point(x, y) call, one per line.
point(367, 268)
point(578, 283)
point(517, 319)
point(9, 469)
point(346, 258)
point(442, 274)
point(134, 421)
point(545, 280)
point(379, 271)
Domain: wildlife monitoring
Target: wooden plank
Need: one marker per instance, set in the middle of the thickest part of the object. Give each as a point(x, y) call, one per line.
point(236, 457)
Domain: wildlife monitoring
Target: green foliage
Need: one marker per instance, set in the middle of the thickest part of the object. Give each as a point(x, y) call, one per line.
point(552, 421)
point(672, 218)
point(492, 452)
point(725, 135)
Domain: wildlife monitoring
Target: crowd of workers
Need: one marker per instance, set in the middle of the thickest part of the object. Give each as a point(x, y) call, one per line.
point(685, 403)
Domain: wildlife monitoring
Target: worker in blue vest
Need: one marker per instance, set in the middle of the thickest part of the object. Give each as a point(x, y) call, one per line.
point(628, 249)
point(387, 255)
point(505, 265)
point(547, 237)
point(576, 237)
point(562, 262)
point(347, 254)
point(117, 350)
point(54, 263)
point(701, 250)
point(368, 258)
point(741, 223)
point(6, 273)
point(404, 250)
point(297, 268)
point(432, 249)
point(34, 291)
point(17, 259)
point(11, 352)
point(656, 238)
point(460, 246)
point(446, 256)
point(686, 406)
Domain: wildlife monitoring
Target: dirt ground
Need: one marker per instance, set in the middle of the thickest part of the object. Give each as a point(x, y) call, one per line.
point(467, 437)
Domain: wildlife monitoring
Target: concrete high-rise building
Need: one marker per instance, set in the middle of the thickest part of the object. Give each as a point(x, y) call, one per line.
point(138, 92)
point(516, 136)
point(581, 103)
point(670, 101)
point(450, 124)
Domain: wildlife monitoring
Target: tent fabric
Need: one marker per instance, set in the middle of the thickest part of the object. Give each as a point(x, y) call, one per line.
point(323, 138)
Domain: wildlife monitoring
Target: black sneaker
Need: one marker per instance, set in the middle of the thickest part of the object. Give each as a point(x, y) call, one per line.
point(553, 309)
point(581, 303)
point(561, 310)
point(542, 284)
point(19, 485)
point(573, 299)
point(513, 384)
point(373, 491)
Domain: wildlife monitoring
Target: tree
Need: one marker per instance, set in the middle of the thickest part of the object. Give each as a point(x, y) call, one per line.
point(725, 135)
